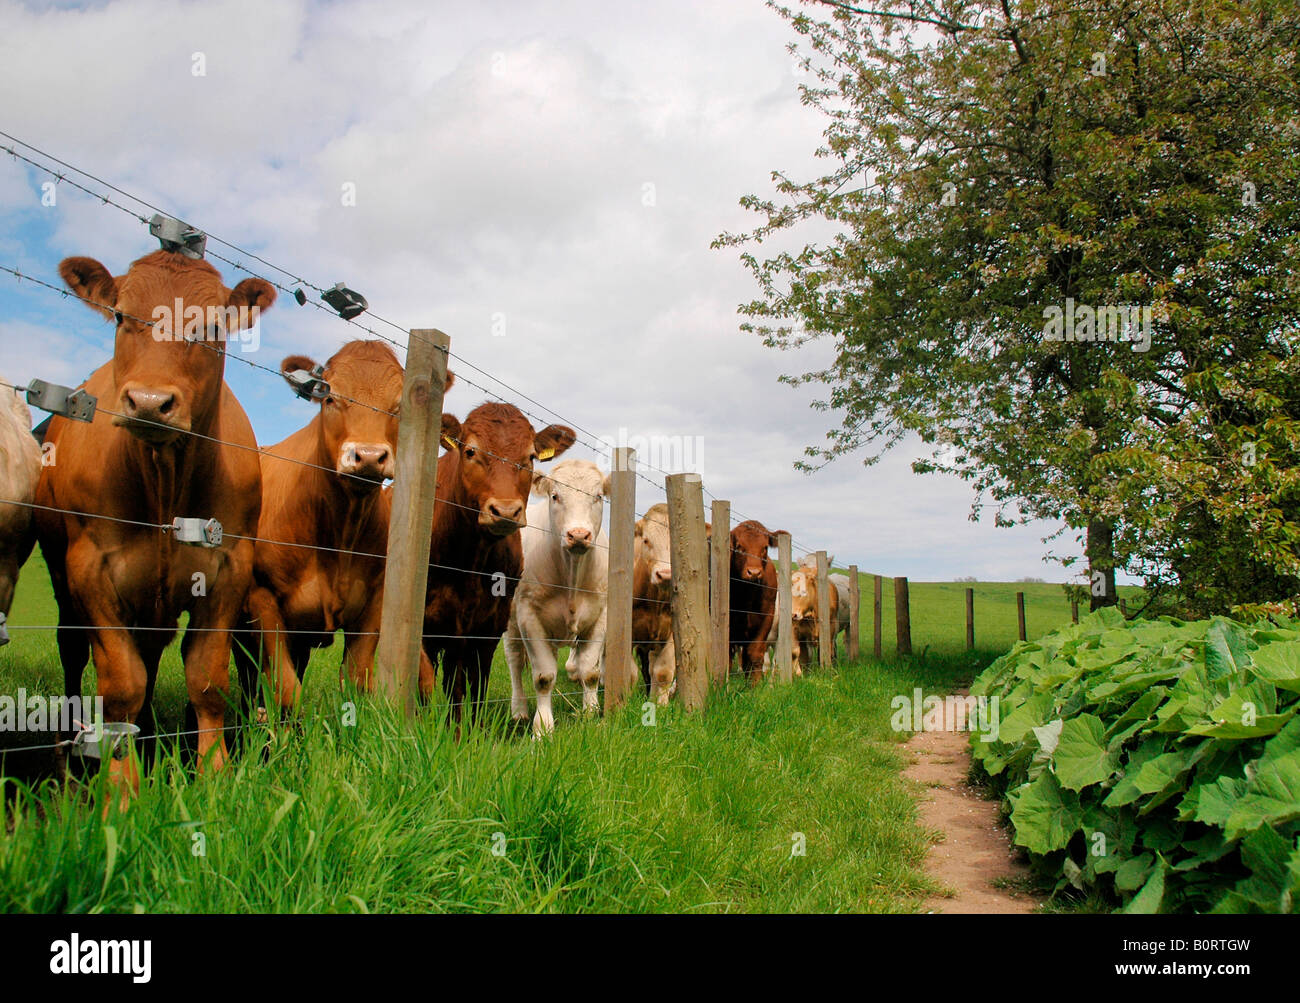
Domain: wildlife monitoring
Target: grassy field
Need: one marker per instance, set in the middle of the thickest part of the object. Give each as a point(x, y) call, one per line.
point(691, 813)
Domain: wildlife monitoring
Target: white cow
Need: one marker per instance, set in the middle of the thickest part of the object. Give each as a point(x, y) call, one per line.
point(20, 468)
point(561, 596)
point(841, 583)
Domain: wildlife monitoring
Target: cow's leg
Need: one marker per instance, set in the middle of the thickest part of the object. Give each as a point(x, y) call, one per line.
point(8, 579)
point(479, 669)
point(207, 677)
point(277, 661)
point(516, 656)
point(453, 679)
point(542, 657)
point(246, 645)
point(641, 653)
point(663, 672)
point(584, 660)
point(74, 651)
point(122, 685)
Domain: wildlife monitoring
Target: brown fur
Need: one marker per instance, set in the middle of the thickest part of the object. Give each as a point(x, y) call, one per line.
point(753, 595)
point(652, 614)
point(489, 462)
point(111, 575)
point(297, 588)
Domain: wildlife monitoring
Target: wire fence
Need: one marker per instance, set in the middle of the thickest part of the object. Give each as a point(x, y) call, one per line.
point(214, 341)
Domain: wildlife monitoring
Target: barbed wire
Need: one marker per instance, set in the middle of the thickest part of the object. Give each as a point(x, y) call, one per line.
point(299, 280)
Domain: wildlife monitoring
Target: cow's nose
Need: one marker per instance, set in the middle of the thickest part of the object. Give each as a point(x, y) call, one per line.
point(148, 404)
point(662, 574)
point(578, 537)
point(753, 573)
point(503, 514)
point(370, 456)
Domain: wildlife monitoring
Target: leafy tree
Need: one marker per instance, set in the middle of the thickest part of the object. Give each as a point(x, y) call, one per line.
point(995, 168)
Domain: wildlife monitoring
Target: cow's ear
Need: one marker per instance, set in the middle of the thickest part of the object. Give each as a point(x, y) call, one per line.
point(639, 529)
point(607, 485)
point(91, 282)
point(451, 381)
point(553, 440)
point(771, 538)
point(250, 298)
point(541, 484)
point(450, 431)
point(708, 531)
point(292, 363)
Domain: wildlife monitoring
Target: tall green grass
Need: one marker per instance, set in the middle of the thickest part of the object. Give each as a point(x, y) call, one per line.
point(698, 812)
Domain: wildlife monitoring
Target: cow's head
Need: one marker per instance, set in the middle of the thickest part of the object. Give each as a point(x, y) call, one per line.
point(651, 548)
point(495, 449)
point(358, 418)
point(173, 317)
point(749, 545)
point(803, 594)
point(575, 491)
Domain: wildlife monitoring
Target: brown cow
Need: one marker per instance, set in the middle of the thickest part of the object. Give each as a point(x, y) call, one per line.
point(652, 613)
point(169, 440)
point(324, 508)
point(753, 596)
point(475, 553)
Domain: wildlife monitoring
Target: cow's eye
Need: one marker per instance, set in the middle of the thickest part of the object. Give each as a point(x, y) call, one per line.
point(117, 317)
point(555, 497)
point(469, 452)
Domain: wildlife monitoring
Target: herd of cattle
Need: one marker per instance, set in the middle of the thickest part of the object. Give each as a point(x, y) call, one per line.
point(305, 527)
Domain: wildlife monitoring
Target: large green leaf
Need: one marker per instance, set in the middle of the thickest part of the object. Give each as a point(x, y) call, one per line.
point(1152, 895)
point(1044, 815)
point(1272, 796)
point(1279, 664)
point(1081, 757)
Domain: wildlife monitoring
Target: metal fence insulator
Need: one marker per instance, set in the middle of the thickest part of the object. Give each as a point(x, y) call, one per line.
point(177, 236)
point(347, 302)
point(57, 399)
point(308, 386)
point(197, 532)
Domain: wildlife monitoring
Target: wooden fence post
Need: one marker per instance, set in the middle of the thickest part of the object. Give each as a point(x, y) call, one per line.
point(1123, 606)
point(825, 629)
point(410, 528)
point(1020, 613)
point(1074, 610)
point(720, 591)
point(855, 601)
point(690, 587)
point(619, 663)
point(877, 618)
point(785, 610)
point(902, 617)
point(970, 619)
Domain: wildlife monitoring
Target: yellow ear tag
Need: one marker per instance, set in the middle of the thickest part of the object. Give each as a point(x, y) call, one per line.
point(546, 453)
point(446, 441)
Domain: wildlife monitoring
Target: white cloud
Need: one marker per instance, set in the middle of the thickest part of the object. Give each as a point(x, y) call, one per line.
point(500, 153)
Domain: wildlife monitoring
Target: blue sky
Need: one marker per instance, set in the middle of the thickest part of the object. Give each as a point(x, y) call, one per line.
point(541, 182)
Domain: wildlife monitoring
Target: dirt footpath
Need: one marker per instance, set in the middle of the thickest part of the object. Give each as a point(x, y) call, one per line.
point(974, 857)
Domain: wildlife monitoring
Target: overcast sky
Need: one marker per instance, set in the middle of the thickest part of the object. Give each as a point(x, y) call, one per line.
point(539, 180)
